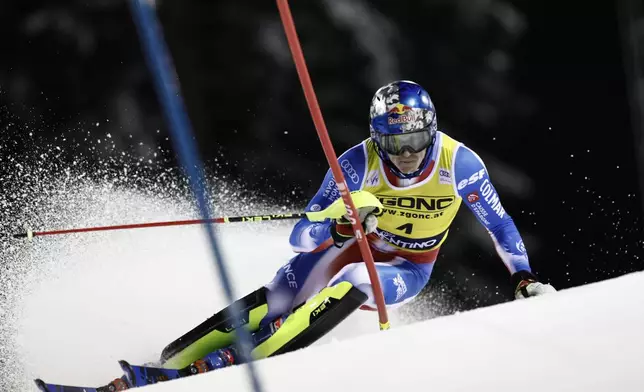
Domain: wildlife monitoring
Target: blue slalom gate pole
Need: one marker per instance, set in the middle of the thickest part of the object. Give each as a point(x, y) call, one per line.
point(182, 135)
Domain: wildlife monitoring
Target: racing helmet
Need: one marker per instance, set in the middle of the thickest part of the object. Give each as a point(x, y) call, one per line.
point(402, 117)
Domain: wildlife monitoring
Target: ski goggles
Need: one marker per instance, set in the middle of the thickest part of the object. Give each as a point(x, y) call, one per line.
point(413, 142)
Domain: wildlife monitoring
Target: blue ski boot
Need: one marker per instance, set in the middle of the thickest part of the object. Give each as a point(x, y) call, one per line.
point(215, 360)
point(139, 376)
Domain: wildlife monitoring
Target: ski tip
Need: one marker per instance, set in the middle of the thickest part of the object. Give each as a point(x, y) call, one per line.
point(41, 385)
point(129, 374)
point(125, 365)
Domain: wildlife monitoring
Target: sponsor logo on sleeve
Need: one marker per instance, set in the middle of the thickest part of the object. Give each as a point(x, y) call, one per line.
point(350, 171)
point(491, 197)
point(481, 212)
point(473, 197)
point(331, 191)
point(473, 178)
point(520, 246)
point(316, 207)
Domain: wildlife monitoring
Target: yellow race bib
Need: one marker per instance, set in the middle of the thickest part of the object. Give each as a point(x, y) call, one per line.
point(416, 217)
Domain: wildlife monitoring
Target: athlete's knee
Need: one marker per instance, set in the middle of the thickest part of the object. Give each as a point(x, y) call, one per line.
point(356, 274)
point(295, 281)
point(400, 283)
point(282, 289)
point(279, 301)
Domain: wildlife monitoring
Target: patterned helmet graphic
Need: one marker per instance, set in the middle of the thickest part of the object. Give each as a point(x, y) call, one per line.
point(402, 120)
point(402, 106)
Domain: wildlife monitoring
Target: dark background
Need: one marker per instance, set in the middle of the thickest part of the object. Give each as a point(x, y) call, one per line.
point(540, 89)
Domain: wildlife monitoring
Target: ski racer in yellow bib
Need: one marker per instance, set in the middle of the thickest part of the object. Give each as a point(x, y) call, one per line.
point(409, 180)
point(416, 217)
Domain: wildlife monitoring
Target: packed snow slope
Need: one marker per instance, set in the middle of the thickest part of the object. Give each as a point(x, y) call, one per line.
point(76, 304)
point(588, 338)
point(81, 302)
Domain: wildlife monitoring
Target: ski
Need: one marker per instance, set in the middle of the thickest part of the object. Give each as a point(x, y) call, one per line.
point(140, 375)
point(119, 384)
point(135, 376)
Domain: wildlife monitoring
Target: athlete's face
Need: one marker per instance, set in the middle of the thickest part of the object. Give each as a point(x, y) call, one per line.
point(408, 162)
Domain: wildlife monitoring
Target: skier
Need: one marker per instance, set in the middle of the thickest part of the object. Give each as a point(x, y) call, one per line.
point(419, 177)
point(407, 181)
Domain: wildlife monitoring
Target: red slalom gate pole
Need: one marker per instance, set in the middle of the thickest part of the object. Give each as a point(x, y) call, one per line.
point(323, 134)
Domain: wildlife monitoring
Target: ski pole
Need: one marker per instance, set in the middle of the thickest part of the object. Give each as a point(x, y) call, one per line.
point(334, 211)
point(249, 218)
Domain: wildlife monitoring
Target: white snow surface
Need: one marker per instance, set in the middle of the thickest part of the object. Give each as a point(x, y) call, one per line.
point(88, 300)
point(583, 339)
point(100, 297)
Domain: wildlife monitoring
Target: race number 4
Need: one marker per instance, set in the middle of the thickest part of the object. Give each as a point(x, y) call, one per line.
point(407, 228)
